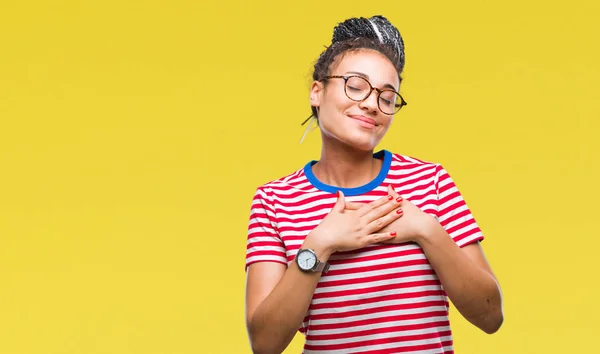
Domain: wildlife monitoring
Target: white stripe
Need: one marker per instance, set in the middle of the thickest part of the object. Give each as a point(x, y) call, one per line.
point(464, 230)
point(381, 336)
point(376, 305)
point(375, 348)
point(469, 239)
point(264, 239)
point(449, 203)
point(264, 258)
point(378, 261)
point(257, 221)
point(416, 170)
point(459, 221)
point(380, 315)
point(358, 275)
point(373, 294)
point(381, 325)
point(334, 289)
point(372, 251)
point(376, 30)
point(252, 249)
point(260, 229)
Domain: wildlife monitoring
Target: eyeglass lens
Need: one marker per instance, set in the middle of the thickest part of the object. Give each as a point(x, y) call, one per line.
point(358, 89)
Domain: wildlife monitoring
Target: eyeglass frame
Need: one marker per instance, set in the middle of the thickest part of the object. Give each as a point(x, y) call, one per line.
point(379, 91)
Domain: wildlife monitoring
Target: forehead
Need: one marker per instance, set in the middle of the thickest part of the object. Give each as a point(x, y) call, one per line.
point(375, 65)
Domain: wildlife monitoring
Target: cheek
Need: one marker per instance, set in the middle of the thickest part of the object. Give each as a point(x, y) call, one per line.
point(334, 99)
point(331, 112)
point(387, 122)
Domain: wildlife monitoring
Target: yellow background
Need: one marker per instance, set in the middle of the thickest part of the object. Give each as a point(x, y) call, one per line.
point(134, 133)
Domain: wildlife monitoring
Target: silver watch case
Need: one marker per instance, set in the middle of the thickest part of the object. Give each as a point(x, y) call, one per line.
point(318, 267)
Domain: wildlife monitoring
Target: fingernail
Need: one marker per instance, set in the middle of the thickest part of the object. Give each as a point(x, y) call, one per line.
point(390, 197)
point(338, 194)
point(399, 199)
point(393, 233)
point(399, 211)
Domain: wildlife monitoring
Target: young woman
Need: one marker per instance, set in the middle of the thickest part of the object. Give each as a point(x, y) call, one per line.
point(361, 250)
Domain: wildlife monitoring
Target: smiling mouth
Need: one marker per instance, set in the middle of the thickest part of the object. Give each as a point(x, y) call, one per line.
point(365, 121)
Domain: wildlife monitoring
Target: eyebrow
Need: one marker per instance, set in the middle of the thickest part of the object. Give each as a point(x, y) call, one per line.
point(390, 86)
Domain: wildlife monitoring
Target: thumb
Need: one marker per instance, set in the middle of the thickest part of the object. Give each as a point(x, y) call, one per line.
point(340, 204)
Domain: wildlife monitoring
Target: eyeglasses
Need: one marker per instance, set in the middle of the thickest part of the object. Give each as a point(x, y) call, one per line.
point(358, 89)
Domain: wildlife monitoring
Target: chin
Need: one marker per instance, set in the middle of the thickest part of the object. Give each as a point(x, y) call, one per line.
point(362, 143)
point(352, 136)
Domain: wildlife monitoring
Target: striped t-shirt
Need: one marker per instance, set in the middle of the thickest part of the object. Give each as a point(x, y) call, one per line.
point(379, 299)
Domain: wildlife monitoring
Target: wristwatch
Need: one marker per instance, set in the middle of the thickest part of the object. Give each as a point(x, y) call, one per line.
point(307, 261)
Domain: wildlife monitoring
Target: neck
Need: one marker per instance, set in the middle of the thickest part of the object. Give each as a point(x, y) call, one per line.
point(346, 167)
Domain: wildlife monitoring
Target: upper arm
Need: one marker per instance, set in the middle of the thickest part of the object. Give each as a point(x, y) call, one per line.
point(261, 279)
point(266, 258)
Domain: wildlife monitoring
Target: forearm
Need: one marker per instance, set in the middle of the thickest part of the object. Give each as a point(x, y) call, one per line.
point(473, 290)
point(277, 319)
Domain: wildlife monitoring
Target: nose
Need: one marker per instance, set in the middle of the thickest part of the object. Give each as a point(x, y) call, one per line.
point(370, 103)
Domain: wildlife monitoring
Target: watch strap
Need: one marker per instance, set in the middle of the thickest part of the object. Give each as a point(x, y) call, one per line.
point(321, 267)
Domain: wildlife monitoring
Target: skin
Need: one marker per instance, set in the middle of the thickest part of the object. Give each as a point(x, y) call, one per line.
point(278, 297)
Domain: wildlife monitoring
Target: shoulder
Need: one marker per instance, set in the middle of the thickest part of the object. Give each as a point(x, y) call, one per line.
point(405, 161)
point(290, 183)
point(404, 167)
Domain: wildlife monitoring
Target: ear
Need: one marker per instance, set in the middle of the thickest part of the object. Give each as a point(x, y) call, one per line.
point(316, 91)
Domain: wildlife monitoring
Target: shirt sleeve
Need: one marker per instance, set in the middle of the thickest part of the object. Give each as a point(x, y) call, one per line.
point(453, 212)
point(264, 243)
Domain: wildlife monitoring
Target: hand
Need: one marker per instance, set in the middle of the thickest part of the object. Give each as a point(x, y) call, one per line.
point(342, 230)
point(411, 227)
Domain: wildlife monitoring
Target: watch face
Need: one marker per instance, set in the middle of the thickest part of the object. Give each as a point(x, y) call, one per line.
point(306, 260)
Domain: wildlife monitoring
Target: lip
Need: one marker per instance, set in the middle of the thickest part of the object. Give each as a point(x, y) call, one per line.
point(367, 120)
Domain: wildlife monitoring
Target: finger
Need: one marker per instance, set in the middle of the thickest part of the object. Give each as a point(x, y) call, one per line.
point(370, 207)
point(354, 205)
point(340, 204)
point(392, 192)
point(381, 237)
point(384, 221)
point(383, 209)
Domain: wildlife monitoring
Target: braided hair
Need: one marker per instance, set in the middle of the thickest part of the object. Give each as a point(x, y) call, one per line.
point(375, 33)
